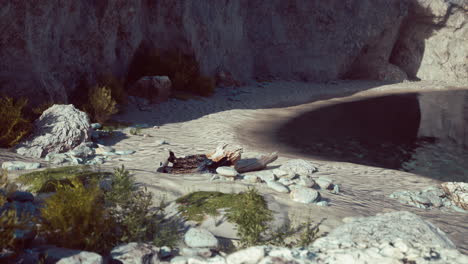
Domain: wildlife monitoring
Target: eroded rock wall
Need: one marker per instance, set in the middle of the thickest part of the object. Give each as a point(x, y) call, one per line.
point(48, 47)
point(433, 42)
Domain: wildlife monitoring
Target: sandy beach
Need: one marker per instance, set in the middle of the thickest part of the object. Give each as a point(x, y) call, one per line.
point(241, 116)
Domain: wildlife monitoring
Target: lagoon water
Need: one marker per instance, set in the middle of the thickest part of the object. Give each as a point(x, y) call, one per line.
point(422, 133)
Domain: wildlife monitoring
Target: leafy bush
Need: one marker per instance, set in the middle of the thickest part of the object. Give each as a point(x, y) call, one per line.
point(133, 211)
point(75, 217)
point(101, 103)
point(38, 110)
point(116, 86)
point(14, 126)
point(249, 211)
point(181, 68)
point(9, 223)
point(135, 131)
point(46, 180)
point(251, 219)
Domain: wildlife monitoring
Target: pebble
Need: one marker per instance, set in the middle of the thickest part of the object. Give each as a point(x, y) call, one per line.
point(277, 187)
point(324, 182)
point(227, 171)
point(304, 195)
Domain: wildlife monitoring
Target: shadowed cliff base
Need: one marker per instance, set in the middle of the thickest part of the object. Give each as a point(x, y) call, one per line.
point(422, 133)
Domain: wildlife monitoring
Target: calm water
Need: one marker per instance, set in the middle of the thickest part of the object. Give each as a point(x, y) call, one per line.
point(423, 133)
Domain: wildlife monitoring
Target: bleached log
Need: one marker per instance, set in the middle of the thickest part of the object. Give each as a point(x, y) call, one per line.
point(255, 164)
point(230, 153)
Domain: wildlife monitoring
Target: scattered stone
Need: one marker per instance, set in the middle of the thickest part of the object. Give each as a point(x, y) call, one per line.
point(82, 151)
point(305, 195)
point(227, 171)
point(59, 129)
point(179, 260)
point(155, 88)
point(286, 181)
point(200, 238)
point(265, 176)
point(336, 189)
point(135, 253)
point(96, 126)
point(277, 187)
point(161, 142)
point(71, 256)
point(306, 182)
point(194, 252)
point(125, 152)
point(251, 255)
point(457, 192)
point(251, 178)
point(298, 167)
point(280, 173)
point(322, 203)
point(325, 183)
point(433, 196)
point(165, 252)
point(20, 165)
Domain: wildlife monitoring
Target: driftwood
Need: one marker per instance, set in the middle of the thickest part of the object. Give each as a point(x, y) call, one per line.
point(231, 152)
point(255, 164)
point(224, 155)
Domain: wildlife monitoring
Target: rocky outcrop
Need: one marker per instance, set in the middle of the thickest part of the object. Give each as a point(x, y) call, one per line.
point(55, 47)
point(432, 41)
point(59, 129)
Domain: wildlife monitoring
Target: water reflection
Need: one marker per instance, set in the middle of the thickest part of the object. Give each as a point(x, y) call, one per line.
point(424, 133)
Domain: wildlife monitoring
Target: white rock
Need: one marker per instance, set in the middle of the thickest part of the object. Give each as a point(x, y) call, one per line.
point(286, 181)
point(135, 253)
point(250, 255)
point(200, 238)
point(322, 203)
point(277, 187)
point(227, 171)
point(265, 175)
point(179, 260)
point(59, 129)
point(251, 178)
point(304, 195)
point(457, 192)
point(280, 173)
point(20, 165)
point(70, 256)
point(324, 182)
point(299, 167)
point(306, 182)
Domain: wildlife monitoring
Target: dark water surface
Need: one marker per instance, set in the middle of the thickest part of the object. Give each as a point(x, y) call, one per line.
point(423, 133)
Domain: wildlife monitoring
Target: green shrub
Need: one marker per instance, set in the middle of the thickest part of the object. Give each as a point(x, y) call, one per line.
point(136, 131)
point(251, 219)
point(101, 104)
point(9, 223)
point(116, 86)
point(249, 211)
point(14, 126)
point(46, 180)
point(75, 217)
point(38, 110)
point(134, 214)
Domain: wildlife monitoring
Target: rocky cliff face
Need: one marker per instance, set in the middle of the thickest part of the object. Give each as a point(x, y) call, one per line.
point(48, 47)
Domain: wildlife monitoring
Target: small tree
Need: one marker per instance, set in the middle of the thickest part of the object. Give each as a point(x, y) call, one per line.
point(101, 103)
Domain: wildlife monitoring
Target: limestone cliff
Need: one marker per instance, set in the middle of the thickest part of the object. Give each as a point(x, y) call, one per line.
point(49, 47)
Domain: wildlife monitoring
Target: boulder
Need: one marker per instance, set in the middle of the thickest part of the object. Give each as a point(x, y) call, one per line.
point(135, 253)
point(277, 187)
point(298, 167)
point(304, 195)
point(265, 176)
point(200, 238)
point(457, 192)
point(59, 129)
point(20, 165)
point(325, 183)
point(387, 238)
point(250, 255)
point(21, 196)
point(154, 88)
